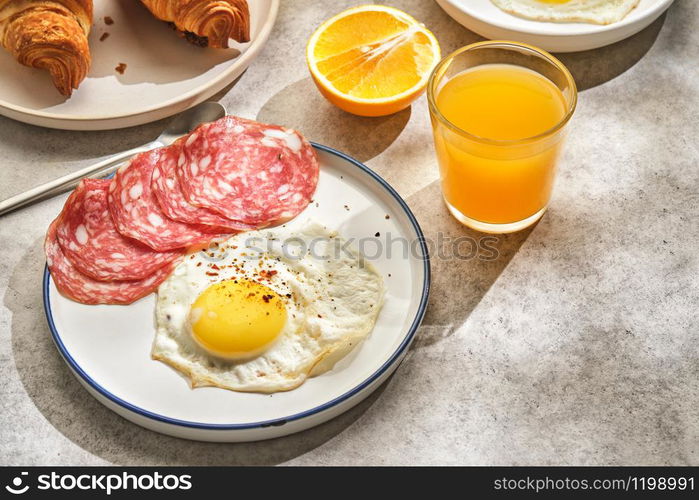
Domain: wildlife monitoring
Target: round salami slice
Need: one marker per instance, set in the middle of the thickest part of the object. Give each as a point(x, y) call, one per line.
point(81, 288)
point(137, 214)
point(248, 171)
point(90, 240)
point(167, 190)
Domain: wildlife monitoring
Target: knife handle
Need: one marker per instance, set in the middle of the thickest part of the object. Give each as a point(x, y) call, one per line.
point(69, 181)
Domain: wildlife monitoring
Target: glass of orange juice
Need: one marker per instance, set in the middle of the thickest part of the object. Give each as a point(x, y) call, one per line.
point(499, 111)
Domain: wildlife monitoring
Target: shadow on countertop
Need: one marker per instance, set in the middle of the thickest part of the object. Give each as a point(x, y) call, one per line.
point(465, 264)
point(591, 68)
point(70, 145)
point(61, 399)
point(361, 137)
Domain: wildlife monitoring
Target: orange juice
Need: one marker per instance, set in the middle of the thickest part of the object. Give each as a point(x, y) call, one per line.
point(497, 162)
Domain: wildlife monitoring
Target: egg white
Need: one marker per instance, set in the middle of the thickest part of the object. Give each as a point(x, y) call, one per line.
point(332, 305)
point(573, 11)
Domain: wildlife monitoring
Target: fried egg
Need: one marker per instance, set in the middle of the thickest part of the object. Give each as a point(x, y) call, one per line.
point(569, 11)
point(264, 310)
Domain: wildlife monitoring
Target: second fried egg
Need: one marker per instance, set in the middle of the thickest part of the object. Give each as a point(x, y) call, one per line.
point(569, 11)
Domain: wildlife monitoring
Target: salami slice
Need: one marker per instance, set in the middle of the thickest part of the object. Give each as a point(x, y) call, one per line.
point(81, 288)
point(90, 240)
point(137, 214)
point(167, 190)
point(248, 171)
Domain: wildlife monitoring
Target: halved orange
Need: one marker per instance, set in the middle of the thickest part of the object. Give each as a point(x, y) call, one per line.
point(372, 60)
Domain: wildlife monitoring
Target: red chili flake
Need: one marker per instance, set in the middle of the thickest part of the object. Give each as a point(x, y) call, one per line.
point(214, 266)
point(121, 68)
point(211, 274)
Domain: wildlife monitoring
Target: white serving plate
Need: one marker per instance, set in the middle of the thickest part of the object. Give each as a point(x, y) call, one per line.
point(484, 18)
point(164, 76)
point(108, 347)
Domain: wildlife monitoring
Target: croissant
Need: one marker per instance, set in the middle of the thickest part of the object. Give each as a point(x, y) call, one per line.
point(205, 22)
point(50, 35)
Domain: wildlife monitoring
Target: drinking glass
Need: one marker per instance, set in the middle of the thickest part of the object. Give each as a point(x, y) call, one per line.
point(491, 185)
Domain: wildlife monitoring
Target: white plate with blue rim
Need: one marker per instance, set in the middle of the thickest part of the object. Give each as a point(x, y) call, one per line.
point(108, 347)
point(484, 18)
point(164, 74)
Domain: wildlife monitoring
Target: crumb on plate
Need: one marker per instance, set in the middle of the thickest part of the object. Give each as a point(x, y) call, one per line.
point(121, 67)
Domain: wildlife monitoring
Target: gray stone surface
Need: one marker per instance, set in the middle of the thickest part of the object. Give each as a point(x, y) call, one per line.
point(577, 345)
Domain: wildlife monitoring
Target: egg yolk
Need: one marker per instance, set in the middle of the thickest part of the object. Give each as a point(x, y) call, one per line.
point(237, 319)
